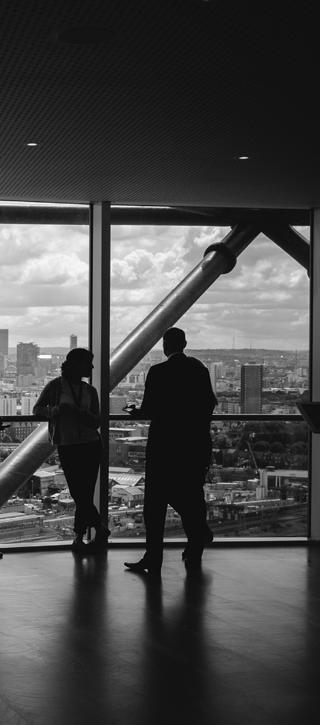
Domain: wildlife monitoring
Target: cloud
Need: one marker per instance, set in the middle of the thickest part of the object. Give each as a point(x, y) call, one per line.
point(44, 282)
point(198, 239)
point(23, 242)
point(42, 255)
point(44, 285)
point(55, 268)
point(263, 301)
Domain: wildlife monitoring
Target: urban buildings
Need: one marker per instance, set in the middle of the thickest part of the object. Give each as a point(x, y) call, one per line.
point(73, 341)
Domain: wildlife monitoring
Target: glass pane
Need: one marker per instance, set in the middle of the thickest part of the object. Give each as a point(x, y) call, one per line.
point(41, 509)
point(257, 483)
point(44, 312)
point(250, 328)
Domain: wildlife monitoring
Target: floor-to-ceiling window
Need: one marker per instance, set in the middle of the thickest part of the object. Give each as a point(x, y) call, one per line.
point(251, 329)
point(44, 276)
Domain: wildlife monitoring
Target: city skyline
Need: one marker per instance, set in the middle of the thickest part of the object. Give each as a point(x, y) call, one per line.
point(262, 303)
point(64, 349)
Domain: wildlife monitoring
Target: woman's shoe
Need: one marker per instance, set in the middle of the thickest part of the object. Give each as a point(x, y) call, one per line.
point(78, 544)
point(99, 543)
point(193, 566)
point(207, 539)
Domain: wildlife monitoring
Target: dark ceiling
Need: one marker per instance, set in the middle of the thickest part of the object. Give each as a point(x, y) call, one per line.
point(152, 102)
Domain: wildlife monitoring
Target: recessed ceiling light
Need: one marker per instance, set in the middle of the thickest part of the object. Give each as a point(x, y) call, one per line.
point(243, 158)
point(32, 143)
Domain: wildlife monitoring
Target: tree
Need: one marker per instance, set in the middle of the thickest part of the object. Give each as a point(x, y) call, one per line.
point(299, 448)
point(221, 442)
point(261, 446)
point(277, 447)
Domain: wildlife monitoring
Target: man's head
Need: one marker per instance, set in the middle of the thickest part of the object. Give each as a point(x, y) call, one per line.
point(174, 340)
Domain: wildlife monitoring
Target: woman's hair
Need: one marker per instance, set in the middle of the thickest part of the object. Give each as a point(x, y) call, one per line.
point(74, 357)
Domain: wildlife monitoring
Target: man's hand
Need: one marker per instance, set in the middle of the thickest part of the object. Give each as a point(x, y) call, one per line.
point(131, 409)
point(54, 411)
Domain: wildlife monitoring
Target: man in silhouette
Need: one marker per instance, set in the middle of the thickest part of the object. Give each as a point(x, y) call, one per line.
point(179, 400)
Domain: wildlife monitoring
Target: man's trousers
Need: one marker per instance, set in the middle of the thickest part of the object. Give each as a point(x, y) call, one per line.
point(187, 498)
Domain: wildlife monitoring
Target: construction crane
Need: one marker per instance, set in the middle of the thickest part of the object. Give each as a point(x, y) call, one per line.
point(246, 438)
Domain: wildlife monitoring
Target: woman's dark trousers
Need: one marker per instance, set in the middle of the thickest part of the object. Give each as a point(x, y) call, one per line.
point(80, 464)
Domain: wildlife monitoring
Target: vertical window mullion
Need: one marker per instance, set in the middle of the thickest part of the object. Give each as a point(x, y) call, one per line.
point(99, 300)
point(315, 371)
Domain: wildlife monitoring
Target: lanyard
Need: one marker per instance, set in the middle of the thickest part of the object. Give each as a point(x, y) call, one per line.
point(76, 399)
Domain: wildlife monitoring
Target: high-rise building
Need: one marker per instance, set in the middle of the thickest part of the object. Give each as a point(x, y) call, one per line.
point(251, 388)
point(27, 403)
point(215, 374)
point(8, 405)
point(44, 365)
point(73, 342)
point(3, 363)
point(4, 342)
point(27, 358)
point(4, 349)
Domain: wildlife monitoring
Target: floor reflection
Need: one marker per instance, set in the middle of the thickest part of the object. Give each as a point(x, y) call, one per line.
point(81, 656)
point(175, 667)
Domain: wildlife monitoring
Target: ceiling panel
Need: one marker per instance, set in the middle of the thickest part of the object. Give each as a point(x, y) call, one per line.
point(150, 102)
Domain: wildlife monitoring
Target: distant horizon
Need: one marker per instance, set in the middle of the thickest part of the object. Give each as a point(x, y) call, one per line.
point(60, 349)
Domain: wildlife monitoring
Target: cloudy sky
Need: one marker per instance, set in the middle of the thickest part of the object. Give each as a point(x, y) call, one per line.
point(44, 283)
point(263, 302)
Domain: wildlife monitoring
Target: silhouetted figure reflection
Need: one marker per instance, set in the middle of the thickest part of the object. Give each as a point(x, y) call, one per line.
point(179, 401)
point(310, 655)
point(176, 672)
point(78, 683)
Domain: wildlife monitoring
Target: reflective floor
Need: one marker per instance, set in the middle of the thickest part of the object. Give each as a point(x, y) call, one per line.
point(84, 641)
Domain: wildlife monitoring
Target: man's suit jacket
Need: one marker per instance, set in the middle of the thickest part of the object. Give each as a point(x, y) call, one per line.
point(179, 400)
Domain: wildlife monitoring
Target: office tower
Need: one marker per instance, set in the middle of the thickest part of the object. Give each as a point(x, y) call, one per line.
point(8, 405)
point(27, 403)
point(215, 374)
point(3, 363)
point(27, 358)
point(73, 342)
point(4, 349)
point(4, 342)
point(251, 388)
point(44, 365)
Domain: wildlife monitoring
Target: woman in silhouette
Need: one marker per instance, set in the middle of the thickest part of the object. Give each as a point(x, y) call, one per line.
point(72, 408)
